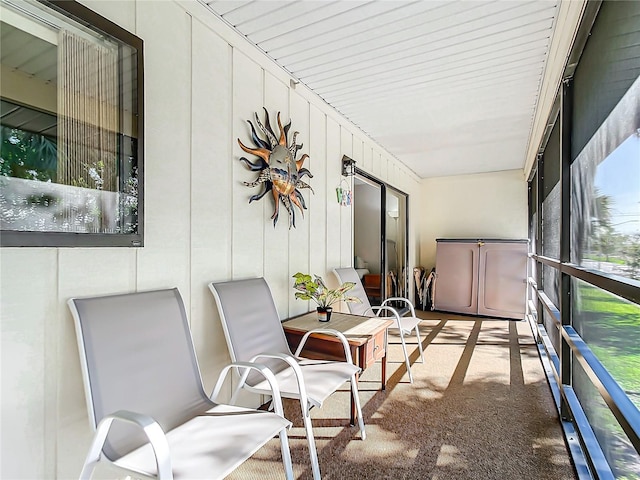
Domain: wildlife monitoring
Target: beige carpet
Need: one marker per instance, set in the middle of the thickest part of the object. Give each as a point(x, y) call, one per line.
point(480, 408)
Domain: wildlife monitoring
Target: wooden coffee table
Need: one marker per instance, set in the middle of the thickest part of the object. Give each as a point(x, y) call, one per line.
point(367, 339)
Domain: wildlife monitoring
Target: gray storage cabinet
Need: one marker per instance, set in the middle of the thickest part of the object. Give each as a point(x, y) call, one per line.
point(481, 277)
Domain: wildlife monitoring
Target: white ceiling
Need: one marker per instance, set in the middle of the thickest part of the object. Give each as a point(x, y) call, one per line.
point(447, 87)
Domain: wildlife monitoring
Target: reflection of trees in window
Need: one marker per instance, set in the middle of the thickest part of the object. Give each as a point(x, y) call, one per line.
point(604, 236)
point(631, 252)
point(27, 155)
point(598, 241)
point(581, 186)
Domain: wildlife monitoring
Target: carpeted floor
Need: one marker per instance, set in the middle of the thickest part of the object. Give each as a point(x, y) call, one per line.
point(480, 408)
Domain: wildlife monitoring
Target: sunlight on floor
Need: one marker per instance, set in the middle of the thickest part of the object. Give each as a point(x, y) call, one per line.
point(479, 408)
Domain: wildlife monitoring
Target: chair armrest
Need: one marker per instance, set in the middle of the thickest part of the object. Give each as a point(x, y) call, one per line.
point(370, 309)
point(327, 331)
point(266, 373)
point(293, 363)
point(152, 430)
point(381, 308)
point(401, 299)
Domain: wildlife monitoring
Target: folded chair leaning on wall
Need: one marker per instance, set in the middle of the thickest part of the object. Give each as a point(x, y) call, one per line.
point(253, 331)
point(145, 396)
point(404, 324)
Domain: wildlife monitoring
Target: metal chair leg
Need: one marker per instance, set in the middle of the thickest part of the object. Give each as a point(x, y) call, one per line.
point(406, 355)
point(356, 399)
point(286, 454)
point(419, 345)
point(313, 454)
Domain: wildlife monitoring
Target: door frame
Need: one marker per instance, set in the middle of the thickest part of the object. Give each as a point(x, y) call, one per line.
point(384, 186)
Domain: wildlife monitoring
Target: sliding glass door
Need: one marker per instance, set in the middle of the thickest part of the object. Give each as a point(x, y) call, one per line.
point(380, 238)
point(396, 243)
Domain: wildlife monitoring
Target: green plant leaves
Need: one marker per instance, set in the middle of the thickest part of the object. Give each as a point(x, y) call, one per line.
point(314, 288)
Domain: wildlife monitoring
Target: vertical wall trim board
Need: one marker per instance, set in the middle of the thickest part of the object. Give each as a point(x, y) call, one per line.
point(231, 112)
point(190, 155)
point(136, 256)
point(308, 219)
point(326, 186)
point(231, 176)
point(230, 151)
point(287, 313)
point(264, 208)
point(350, 210)
point(51, 382)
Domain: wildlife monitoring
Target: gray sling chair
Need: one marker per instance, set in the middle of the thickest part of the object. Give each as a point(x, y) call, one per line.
point(404, 324)
point(254, 332)
point(145, 396)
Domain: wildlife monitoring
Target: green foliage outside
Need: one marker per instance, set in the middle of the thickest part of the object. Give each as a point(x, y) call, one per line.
point(611, 327)
point(602, 258)
point(32, 156)
point(607, 245)
point(27, 155)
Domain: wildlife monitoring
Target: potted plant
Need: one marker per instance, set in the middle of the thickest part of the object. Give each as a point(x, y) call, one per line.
point(314, 288)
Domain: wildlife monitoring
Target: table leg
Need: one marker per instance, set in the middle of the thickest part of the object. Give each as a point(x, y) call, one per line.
point(352, 419)
point(384, 360)
point(358, 359)
point(384, 371)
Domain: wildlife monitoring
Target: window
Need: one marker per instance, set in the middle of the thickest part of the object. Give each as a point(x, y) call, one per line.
point(71, 128)
point(606, 193)
point(551, 210)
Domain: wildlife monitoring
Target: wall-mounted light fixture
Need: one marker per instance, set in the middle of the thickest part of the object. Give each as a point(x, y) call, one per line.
point(348, 166)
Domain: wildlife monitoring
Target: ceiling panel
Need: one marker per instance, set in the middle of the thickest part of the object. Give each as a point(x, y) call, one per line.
point(290, 18)
point(333, 40)
point(447, 87)
point(42, 60)
point(224, 7)
point(279, 35)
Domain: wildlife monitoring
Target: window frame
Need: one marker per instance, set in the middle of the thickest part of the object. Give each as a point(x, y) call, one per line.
point(14, 238)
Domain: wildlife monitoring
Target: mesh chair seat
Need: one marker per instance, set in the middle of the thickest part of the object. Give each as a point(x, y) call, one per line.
point(320, 377)
point(211, 445)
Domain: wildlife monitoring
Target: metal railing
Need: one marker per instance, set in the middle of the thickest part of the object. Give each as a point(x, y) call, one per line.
point(595, 464)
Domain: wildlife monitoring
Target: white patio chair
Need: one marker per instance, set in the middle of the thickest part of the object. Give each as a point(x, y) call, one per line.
point(145, 396)
point(404, 324)
point(254, 332)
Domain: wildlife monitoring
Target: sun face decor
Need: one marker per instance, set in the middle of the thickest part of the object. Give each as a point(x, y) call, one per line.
point(280, 173)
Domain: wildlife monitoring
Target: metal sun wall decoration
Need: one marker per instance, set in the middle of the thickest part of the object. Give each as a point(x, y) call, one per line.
point(280, 173)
